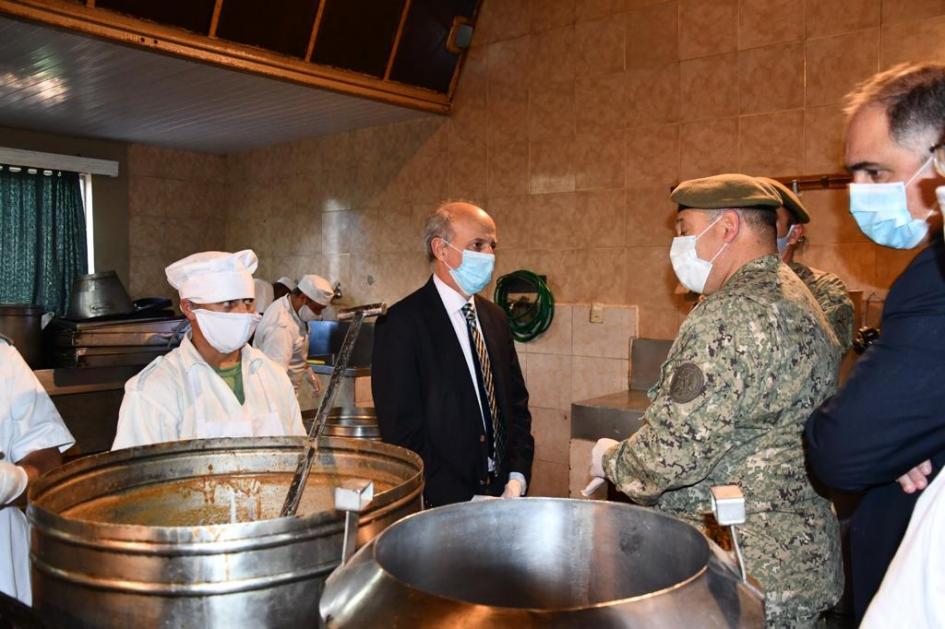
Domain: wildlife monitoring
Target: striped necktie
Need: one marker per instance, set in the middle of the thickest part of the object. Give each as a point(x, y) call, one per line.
point(480, 346)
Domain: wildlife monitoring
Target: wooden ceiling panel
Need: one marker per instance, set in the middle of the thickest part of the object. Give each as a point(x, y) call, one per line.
point(61, 82)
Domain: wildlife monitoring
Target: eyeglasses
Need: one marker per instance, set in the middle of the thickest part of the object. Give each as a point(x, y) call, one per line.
point(938, 158)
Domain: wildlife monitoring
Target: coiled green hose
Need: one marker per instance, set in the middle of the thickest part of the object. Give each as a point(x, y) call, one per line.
point(527, 319)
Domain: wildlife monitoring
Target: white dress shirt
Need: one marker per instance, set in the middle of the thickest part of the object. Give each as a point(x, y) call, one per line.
point(454, 302)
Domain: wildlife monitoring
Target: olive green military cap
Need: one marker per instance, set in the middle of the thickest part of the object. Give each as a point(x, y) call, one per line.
point(726, 191)
point(790, 201)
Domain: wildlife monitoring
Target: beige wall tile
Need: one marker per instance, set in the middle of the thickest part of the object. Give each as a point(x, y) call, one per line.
point(551, 429)
point(549, 376)
point(336, 232)
point(835, 65)
point(551, 111)
point(707, 27)
point(468, 126)
point(146, 235)
point(512, 220)
point(771, 144)
point(823, 139)
point(508, 62)
point(600, 103)
point(551, 165)
point(145, 197)
point(599, 159)
point(906, 10)
point(508, 169)
point(557, 338)
point(609, 339)
point(593, 9)
point(471, 91)
point(553, 218)
point(549, 479)
point(600, 219)
point(652, 95)
point(831, 221)
point(551, 57)
point(147, 278)
point(764, 22)
point(660, 323)
point(549, 14)
point(585, 275)
point(709, 87)
point(914, 41)
point(593, 377)
point(600, 47)
point(650, 277)
point(505, 19)
point(650, 216)
point(829, 17)
point(468, 172)
point(508, 114)
point(653, 155)
point(771, 78)
point(652, 35)
point(708, 148)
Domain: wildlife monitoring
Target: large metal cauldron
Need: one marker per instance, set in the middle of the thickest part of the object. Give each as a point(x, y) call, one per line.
point(141, 537)
point(540, 562)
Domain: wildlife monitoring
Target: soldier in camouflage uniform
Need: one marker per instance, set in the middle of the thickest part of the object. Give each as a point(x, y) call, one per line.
point(748, 366)
point(828, 289)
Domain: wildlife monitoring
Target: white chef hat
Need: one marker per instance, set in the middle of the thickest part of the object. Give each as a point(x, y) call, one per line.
point(317, 288)
point(264, 295)
point(287, 281)
point(210, 277)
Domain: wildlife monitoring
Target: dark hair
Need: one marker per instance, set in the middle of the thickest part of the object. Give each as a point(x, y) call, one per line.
point(913, 97)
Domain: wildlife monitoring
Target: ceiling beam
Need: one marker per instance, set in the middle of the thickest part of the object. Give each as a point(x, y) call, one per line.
point(180, 43)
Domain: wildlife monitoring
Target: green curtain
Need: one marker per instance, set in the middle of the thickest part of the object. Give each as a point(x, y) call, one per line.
point(42, 247)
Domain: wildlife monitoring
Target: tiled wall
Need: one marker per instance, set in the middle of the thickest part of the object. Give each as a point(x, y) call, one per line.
point(175, 207)
point(574, 360)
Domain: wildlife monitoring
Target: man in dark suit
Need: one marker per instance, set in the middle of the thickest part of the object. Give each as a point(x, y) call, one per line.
point(445, 376)
point(888, 421)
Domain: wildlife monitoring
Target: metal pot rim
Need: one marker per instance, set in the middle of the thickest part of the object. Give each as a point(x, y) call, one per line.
point(371, 547)
point(209, 538)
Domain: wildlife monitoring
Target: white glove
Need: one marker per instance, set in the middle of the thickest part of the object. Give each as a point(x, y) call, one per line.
point(13, 481)
point(513, 489)
point(597, 456)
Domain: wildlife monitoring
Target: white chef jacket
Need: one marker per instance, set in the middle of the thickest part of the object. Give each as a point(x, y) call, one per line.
point(28, 422)
point(283, 337)
point(913, 591)
point(179, 396)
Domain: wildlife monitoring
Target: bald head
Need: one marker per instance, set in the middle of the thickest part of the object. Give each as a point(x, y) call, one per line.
point(443, 222)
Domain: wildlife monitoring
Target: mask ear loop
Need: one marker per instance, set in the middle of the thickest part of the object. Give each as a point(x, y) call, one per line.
point(919, 171)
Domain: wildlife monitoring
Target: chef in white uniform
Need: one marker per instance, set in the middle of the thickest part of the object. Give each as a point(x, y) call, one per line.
point(214, 384)
point(32, 435)
point(283, 333)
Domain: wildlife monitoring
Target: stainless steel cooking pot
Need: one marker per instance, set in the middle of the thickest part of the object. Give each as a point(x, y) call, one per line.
point(540, 562)
point(98, 295)
point(186, 534)
point(353, 422)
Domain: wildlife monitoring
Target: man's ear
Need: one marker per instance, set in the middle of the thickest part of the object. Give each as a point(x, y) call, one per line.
point(439, 245)
point(187, 309)
point(731, 223)
point(797, 236)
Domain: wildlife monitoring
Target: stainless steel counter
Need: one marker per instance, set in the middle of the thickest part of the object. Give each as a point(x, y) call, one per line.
point(616, 415)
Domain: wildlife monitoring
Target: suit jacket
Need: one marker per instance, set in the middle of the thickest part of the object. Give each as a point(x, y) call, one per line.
point(426, 401)
point(887, 418)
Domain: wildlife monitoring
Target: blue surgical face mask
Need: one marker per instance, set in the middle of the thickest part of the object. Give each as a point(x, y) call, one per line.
point(475, 271)
point(783, 242)
point(882, 212)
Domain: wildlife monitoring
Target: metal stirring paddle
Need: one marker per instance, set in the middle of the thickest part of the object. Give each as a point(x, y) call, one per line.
point(357, 316)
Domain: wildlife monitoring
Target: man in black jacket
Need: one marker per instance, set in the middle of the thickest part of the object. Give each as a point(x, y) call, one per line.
point(888, 421)
point(445, 376)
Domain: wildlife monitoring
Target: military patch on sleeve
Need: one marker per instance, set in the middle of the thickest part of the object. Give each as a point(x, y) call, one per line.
point(688, 382)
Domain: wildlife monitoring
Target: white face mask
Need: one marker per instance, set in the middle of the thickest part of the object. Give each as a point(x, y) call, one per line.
point(226, 331)
point(783, 241)
point(691, 270)
point(306, 314)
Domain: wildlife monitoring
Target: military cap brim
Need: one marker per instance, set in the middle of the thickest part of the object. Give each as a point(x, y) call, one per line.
point(726, 191)
point(790, 201)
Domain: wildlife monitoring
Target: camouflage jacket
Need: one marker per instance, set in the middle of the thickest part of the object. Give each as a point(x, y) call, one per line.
point(749, 365)
point(831, 293)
